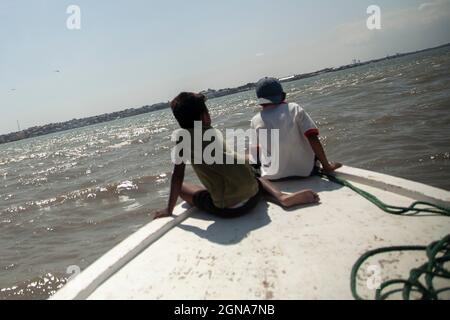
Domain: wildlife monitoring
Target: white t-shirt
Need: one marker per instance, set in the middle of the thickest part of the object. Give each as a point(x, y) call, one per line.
point(295, 125)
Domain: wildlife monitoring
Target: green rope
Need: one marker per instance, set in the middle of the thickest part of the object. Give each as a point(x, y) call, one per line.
point(396, 210)
point(438, 253)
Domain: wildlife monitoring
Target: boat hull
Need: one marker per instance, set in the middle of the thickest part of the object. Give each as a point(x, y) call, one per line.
point(271, 253)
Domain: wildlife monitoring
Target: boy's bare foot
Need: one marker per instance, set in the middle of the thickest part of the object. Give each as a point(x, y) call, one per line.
point(299, 198)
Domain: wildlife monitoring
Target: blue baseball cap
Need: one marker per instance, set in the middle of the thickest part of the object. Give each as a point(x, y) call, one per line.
point(269, 90)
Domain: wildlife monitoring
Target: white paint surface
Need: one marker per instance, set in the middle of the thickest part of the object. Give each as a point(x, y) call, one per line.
point(305, 253)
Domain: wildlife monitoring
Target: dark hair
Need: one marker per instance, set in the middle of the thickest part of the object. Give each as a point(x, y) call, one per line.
point(187, 108)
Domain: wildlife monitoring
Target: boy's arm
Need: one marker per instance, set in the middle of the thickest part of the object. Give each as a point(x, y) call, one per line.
point(309, 129)
point(317, 147)
point(175, 189)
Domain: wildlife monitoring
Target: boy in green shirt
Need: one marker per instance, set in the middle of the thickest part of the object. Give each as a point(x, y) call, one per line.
point(230, 190)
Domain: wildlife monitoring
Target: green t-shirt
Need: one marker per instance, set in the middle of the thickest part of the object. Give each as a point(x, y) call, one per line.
point(228, 184)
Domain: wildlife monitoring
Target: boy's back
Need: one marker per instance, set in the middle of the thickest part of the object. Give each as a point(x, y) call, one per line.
point(297, 158)
point(228, 184)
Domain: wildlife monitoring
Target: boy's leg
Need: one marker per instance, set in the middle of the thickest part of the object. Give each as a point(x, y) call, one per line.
point(188, 190)
point(274, 195)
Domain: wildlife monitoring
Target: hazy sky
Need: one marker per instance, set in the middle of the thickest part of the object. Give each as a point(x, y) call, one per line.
point(137, 52)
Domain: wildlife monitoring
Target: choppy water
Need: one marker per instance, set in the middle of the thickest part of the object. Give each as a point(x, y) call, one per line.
point(67, 198)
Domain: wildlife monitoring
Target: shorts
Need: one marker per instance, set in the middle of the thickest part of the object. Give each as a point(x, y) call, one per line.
point(316, 169)
point(204, 202)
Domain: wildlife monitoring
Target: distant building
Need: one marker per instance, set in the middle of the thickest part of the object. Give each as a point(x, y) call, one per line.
point(286, 78)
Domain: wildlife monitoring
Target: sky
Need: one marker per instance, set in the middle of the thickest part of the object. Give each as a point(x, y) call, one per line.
point(139, 52)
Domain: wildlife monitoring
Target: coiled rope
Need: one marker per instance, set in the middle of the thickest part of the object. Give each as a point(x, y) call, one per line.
point(438, 253)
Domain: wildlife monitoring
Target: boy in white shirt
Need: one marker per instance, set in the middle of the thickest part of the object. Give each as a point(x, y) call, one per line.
point(299, 145)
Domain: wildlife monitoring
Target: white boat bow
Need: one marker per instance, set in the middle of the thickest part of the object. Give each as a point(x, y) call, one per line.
point(305, 253)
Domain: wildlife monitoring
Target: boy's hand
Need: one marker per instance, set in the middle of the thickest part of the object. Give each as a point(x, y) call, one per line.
point(332, 166)
point(164, 213)
point(317, 147)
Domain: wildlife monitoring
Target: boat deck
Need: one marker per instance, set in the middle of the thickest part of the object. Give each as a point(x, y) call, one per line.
point(305, 253)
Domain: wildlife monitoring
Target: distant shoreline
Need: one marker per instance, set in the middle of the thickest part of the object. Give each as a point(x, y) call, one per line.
point(37, 131)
